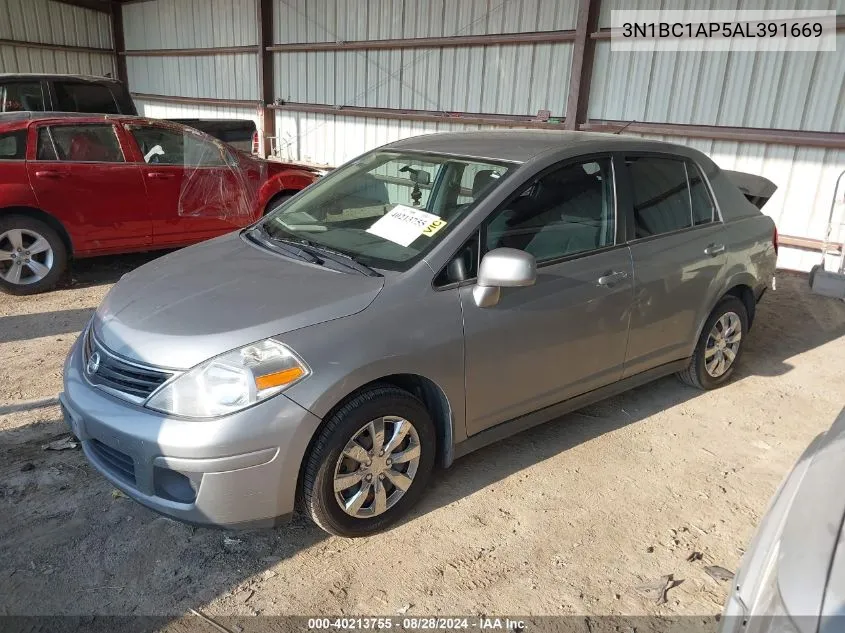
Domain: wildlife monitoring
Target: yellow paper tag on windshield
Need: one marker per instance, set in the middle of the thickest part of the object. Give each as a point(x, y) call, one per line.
point(433, 227)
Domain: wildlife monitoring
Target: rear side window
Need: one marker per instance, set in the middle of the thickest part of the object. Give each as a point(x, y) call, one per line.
point(79, 143)
point(661, 195)
point(21, 96)
point(163, 146)
point(13, 145)
point(84, 97)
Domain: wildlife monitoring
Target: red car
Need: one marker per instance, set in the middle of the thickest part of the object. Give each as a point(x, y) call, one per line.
point(85, 185)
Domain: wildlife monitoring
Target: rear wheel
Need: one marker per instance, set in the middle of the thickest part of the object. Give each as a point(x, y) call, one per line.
point(370, 463)
point(719, 346)
point(276, 202)
point(32, 255)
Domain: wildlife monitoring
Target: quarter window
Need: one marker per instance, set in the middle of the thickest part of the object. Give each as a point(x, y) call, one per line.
point(13, 145)
point(79, 143)
point(568, 211)
point(161, 146)
point(703, 210)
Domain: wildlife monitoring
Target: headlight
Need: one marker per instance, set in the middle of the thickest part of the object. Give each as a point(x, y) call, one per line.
point(231, 382)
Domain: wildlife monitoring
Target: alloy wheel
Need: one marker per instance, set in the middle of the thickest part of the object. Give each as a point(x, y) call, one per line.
point(26, 257)
point(722, 344)
point(377, 467)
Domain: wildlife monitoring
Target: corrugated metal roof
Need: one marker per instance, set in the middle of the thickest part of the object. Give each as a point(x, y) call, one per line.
point(513, 79)
point(300, 21)
point(54, 23)
point(190, 24)
point(214, 76)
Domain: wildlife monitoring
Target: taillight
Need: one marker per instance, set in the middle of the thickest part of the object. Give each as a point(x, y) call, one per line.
point(775, 240)
point(255, 142)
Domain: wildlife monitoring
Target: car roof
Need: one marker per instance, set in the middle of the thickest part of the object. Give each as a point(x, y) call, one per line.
point(520, 146)
point(54, 77)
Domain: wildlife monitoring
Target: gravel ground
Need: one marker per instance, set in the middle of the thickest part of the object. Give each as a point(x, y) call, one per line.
point(569, 518)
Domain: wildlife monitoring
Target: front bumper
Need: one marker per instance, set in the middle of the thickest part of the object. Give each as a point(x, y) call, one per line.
point(236, 471)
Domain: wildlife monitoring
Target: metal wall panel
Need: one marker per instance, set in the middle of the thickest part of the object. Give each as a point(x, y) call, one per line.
point(54, 23)
point(190, 24)
point(329, 139)
point(18, 59)
point(513, 79)
point(747, 5)
point(299, 21)
point(214, 76)
point(164, 110)
point(47, 22)
point(799, 91)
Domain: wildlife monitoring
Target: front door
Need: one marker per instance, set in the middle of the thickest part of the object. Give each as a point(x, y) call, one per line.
point(678, 249)
point(194, 193)
point(80, 175)
point(567, 334)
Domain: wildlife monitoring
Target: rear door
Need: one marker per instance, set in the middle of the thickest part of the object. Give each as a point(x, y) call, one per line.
point(678, 250)
point(194, 193)
point(80, 175)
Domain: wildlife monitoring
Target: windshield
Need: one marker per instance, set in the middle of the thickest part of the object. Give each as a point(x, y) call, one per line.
point(386, 209)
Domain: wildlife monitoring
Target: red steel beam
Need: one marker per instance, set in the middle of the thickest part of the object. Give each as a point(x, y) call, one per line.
point(57, 47)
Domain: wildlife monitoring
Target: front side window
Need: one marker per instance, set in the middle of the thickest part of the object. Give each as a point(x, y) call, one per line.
point(387, 209)
point(79, 143)
point(13, 145)
point(21, 96)
point(165, 146)
point(568, 211)
point(84, 97)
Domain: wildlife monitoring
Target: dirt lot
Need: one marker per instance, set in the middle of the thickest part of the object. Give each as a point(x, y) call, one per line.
point(568, 518)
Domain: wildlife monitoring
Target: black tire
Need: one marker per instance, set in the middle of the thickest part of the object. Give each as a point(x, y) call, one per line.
point(319, 469)
point(59, 255)
point(696, 374)
point(276, 202)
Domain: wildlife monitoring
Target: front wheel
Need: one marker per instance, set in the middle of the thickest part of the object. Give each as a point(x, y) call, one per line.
point(32, 255)
point(719, 346)
point(370, 463)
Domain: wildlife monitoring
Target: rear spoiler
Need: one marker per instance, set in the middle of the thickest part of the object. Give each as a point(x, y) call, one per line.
point(756, 189)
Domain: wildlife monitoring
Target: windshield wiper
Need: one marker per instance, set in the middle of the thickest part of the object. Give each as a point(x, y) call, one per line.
point(289, 247)
point(342, 258)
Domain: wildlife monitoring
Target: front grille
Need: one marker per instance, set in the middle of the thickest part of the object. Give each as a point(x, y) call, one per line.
point(119, 464)
point(115, 374)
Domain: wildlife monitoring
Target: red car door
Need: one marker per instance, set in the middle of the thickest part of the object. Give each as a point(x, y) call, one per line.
point(80, 175)
point(194, 193)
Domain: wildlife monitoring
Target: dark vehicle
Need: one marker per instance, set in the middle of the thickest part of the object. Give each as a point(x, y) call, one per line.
point(104, 95)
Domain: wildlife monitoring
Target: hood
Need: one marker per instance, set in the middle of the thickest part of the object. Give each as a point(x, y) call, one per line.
point(201, 301)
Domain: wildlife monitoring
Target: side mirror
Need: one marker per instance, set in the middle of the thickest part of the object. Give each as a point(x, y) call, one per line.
point(503, 268)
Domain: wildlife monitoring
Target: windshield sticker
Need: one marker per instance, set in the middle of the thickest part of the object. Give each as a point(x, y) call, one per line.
point(402, 225)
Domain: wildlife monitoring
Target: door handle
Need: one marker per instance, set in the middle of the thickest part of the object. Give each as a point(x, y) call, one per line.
point(160, 175)
point(612, 277)
point(714, 249)
point(50, 174)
